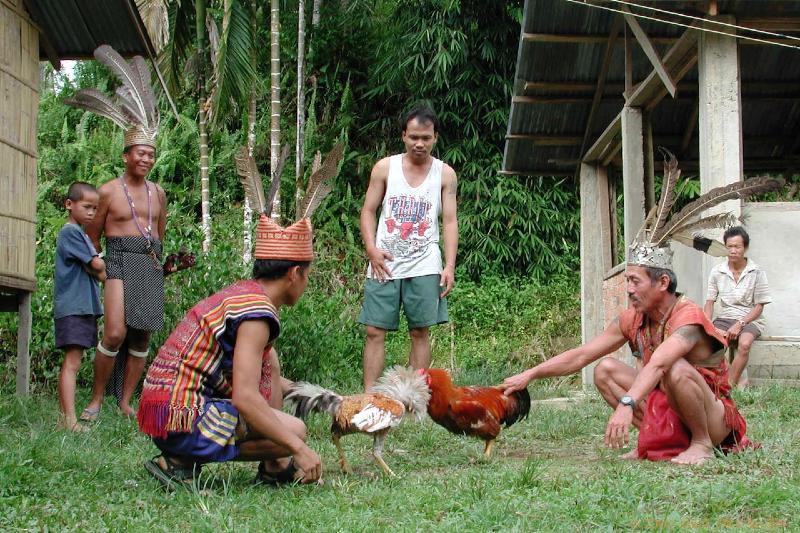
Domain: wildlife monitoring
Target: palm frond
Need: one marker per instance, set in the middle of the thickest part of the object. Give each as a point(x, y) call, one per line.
point(234, 67)
point(155, 15)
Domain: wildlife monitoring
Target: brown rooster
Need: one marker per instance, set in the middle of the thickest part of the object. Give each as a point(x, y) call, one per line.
point(399, 392)
point(476, 411)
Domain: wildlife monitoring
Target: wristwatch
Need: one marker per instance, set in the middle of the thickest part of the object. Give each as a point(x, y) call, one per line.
point(628, 400)
point(742, 323)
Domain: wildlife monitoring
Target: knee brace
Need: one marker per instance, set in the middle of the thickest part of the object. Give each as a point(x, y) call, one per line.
point(105, 351)
point(136, 353)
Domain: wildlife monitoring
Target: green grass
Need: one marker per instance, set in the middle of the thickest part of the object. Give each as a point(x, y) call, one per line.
point(549, 473)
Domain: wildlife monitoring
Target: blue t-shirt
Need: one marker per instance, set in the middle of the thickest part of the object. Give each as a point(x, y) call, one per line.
point(76, 291)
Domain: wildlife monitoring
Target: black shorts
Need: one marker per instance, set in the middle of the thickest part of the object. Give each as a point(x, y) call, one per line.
point(76, 330)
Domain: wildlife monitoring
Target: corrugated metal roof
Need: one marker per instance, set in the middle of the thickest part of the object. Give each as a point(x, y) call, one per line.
point(546, 131)
point(74, 28)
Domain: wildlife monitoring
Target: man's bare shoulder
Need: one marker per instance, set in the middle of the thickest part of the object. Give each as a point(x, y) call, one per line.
point(691, 333)
point(381, 169)
point(109, 187)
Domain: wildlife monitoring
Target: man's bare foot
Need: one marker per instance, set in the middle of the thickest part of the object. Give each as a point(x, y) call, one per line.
point(126, 410)
point(632, 455)
point(695, 454)
point(743, 384)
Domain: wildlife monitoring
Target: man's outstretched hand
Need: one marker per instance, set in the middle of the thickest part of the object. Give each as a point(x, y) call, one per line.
point(177, 262)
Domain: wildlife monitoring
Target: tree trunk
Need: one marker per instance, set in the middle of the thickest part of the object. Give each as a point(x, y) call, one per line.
point(251, 143)
point(275, 105)
point(200, 14)
point(315, 15)
point(301, 100)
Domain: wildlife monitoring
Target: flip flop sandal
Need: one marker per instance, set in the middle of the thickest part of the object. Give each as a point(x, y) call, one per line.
point(276, 478)
point(171, 475)
point(89, 415)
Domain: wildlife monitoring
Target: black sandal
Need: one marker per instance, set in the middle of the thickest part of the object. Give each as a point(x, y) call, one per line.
point(276, 478)
point(171, 474)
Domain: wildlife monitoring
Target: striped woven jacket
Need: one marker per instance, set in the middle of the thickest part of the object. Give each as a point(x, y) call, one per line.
point(196, 361)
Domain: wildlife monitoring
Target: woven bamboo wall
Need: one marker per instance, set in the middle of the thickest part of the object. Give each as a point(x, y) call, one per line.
point(19, 101)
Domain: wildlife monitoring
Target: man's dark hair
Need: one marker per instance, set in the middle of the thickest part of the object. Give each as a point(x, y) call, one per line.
point(78, 189)
point(733, 232)
point(424, 115)
point(655, 274)
point(269, 269)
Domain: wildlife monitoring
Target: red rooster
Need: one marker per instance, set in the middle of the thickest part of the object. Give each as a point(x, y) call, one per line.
point(476, 411)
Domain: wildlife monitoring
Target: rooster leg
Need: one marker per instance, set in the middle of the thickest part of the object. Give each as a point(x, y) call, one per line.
point(487, 451)
point(377, 450)
point(343, 464)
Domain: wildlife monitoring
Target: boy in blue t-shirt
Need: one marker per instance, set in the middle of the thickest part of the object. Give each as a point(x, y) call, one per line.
point(76, 302)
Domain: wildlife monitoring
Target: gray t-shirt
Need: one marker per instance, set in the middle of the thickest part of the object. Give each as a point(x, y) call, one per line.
point(76, 291)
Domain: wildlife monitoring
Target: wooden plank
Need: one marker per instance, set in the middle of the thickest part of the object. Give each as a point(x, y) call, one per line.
point(649, 51)
point(675, 60)
point(769, 23)
point(548, 100)
point(632, 171)
point(582, 38)
point(601, 82)
point(23, 345)
point(536, 172)
point(546, 140)
point(751, 89)
point(603, 143)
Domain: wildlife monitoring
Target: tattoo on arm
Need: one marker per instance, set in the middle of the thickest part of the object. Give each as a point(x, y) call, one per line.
point(691, 333)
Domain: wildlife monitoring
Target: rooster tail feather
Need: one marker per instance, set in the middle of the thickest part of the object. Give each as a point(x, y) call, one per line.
point(308, 398)
point(521, 407)
point(408, 387)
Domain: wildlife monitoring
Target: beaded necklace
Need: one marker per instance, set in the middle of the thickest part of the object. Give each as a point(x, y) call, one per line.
point(147, 232)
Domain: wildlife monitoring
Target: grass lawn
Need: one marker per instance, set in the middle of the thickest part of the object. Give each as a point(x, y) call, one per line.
point(549, 473)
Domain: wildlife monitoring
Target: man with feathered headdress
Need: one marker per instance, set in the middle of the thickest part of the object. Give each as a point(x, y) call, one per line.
point(132, 216)
point(214, 391)
point(679, 394)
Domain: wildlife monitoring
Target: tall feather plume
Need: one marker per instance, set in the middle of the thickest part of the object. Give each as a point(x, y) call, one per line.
point(140, 66)
point(718, 221)
point(251, 180)
point(318, 184)
point(641, 234)
point(740, 189)
point(667, 200)
point(97, 102)
point(704, 244)
point(131, 88)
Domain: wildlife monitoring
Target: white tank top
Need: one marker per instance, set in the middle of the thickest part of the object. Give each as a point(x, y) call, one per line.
point(409, 223)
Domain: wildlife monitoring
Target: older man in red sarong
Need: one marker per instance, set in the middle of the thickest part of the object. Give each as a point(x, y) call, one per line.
point(679, 394)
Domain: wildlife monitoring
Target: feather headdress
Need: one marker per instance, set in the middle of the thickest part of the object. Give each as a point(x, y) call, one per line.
point(650, 247)
point(133, 107)
point(293, 243)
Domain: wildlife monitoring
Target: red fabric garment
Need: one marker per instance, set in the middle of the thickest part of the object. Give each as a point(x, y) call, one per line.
point(662, 434)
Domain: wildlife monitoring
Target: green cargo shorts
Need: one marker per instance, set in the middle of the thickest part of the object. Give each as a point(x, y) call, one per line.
point(419, 297)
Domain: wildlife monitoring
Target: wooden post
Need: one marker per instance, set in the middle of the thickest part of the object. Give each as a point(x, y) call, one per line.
point(595, 253)
point(23, 344)
point(633, 177)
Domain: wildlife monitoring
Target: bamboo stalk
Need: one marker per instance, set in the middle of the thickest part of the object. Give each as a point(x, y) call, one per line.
point(301, 100)
point(275, 103)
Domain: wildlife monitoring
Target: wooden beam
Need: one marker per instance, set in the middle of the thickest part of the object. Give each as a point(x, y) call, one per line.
point(689, 132)
point(770, 23)
point(536, 172)
point(604, 143)
point(681, 54)
point(649, 51)
point(546, 140)
point(548, 100)
point(601, 82)
point(24, 344)
point(582, 38)
point(756, 89)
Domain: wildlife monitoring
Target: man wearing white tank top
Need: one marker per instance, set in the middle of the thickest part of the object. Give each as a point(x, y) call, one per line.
point(405, 263)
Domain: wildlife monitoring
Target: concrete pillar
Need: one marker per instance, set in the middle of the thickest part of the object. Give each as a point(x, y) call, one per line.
point(719, 119)
point(633, 171)
point(595, 252)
